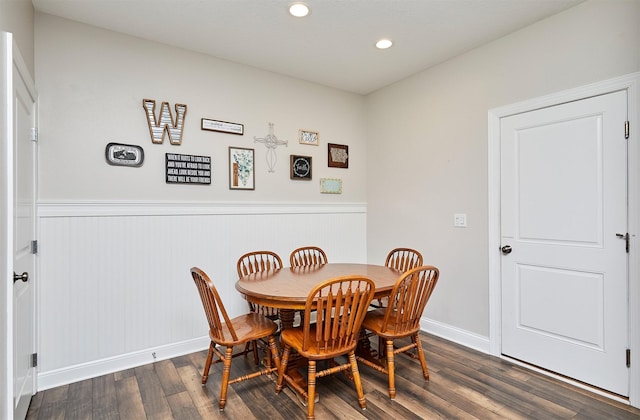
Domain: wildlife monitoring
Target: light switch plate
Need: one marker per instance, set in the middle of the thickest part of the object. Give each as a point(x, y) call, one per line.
point(460, 220)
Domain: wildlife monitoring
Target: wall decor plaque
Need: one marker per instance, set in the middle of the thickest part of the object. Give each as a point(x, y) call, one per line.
point(300, 167)
point(221, 126)
point(330, 186)
point(309, 137)
point(124, 154)
point(187, 169)
point(338, 155)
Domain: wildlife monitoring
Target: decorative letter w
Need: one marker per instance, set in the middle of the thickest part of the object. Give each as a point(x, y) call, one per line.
point(166, 124)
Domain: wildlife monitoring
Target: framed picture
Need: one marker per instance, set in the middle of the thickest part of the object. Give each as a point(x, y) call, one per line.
point(118, 154)
point(309, 137)
point(241, 169)
point(221, 126)
point(338, 155)
point(330, 186)
point(300, 167)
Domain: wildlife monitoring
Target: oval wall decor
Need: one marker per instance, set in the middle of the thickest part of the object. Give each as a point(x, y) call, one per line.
point(124, 154)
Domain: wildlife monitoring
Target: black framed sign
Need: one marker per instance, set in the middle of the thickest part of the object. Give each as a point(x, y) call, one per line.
point(300, 167)
point(187, 169)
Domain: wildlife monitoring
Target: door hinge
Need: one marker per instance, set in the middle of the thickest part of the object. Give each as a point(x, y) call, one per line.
point(34, 247)
point(34, 134)
point(628, 358)
point(626, 129)
point(34, 359)
point(626, 238)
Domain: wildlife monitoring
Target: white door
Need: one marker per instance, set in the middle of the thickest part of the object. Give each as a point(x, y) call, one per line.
point(563, 205)
point(24, 184)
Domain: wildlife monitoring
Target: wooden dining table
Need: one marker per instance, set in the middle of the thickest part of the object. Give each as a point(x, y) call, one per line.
point(287, 288)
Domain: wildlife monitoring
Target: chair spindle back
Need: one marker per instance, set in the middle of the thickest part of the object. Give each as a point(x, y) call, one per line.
point(403, 259)
point(341, 305)
point(307, 255)
point(409, 297)
point(219, 323)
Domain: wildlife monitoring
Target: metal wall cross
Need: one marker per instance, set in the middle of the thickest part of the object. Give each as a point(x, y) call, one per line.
point(271, 141)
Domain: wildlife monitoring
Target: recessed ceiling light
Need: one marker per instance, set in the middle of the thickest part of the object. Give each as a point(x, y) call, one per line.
point(383, 44)
point(299, 9)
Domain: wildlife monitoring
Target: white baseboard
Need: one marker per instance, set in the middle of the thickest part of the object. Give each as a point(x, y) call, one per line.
point(457, 335)
point(97, 368)
point(67, 375)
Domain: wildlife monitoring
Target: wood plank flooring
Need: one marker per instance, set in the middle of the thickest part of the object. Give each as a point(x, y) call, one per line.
point(465, 384)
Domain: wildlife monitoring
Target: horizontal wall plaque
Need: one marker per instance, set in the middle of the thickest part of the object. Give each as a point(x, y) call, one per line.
point(124, 154)
point(330, 186)
point(187, 169)
point(222, 126)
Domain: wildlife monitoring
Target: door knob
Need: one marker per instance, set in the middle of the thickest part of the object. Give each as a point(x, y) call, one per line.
point(506, 249)
point(24, 276)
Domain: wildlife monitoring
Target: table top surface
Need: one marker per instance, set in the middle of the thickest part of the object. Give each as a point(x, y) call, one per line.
point(288, 287)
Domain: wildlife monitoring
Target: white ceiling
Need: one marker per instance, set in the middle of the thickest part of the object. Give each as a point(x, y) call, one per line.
point(333, 46)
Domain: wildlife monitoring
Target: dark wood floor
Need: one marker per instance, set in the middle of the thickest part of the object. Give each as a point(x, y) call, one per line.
point(464, 384)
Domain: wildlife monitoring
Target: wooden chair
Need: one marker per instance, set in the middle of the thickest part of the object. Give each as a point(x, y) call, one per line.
point(256, 261)
point(307, 255)
point(340, 304)
point(228, 333)
point(403, 259)
point(402, 319)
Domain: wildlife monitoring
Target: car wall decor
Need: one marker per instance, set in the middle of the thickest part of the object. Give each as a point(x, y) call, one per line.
point(119, 154)
point(165, 123)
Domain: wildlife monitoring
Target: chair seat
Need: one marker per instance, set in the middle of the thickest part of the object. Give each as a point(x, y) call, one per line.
point(315, 351)
point(375, 320)
point(248, 327)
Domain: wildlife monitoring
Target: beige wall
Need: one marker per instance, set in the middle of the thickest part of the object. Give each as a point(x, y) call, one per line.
point(17, 17)
point(418, 148)
point(92, 82)
point(427, 149)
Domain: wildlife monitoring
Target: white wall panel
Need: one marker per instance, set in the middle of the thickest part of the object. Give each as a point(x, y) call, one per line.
point(114, 288)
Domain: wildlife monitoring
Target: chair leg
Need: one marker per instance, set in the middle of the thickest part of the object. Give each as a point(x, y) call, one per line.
point(256, 356)
point(311, 390)
point(226, 370)
point(275, 357)
point(356, 380)
point(391, 367)
point(423, 361)
point(207, 364)
point(283, 368)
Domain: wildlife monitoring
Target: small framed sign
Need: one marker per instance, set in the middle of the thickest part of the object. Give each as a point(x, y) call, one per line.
point(221, 126)
point(124, 154)
point(309, 137)
point(300, 167)
point(330, 186)
point(338, 156)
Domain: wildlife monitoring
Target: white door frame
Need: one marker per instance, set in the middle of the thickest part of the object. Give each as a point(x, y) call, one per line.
point(631, 83)
point(6, 227)
point(10, 57)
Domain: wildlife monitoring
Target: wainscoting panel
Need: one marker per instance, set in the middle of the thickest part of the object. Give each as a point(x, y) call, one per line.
point(113, 282)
